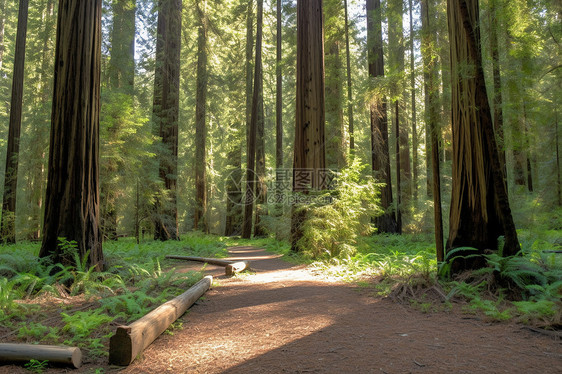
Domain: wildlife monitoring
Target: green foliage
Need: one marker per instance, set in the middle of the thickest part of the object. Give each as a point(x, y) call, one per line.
point(331, 229)
point(81, 324)
point(37, 331)
point(36, 366)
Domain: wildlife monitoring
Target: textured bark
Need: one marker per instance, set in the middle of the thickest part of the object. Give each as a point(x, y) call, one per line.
point(261, 188)
point(398, 169)
point(349, 86)
point(166, 107)
point(379, 124)
point(72, 198)
point(432, 120)
point(279, 95)
point(8, 224)
point(480, 210)
point(413, 97)
point(309, 153)
point(234, 191)
point(249, 194)
point(199, 216)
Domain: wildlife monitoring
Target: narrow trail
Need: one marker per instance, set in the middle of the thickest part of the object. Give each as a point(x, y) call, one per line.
point(285, 319)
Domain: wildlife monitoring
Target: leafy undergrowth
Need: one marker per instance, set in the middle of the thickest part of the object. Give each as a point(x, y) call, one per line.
point(37, 306)
point(526, 288)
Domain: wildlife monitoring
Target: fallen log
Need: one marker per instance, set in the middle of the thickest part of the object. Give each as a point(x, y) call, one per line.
point(231, 267)
point(51, 353)
point(129, 341)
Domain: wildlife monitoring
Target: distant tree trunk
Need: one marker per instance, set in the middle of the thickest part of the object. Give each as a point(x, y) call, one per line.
point(309, 152)
point(432, 120)
point(72, 199)
point(2, 23)
point(497, 98)
point(261, 189)
point(199, 216)
point(528, 150)
point(480, 210)
point(379, 125)
point(166, 107)
point(234, 191)
point(248, 210)
point(558, 180)
point(442, 41)
point(335, 150)
point(8, 224)
point(413, 96)
point(349, 91)
point(398, 171)
point(279, 98)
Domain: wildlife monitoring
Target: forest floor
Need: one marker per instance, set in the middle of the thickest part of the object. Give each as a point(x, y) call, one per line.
point(286, 318)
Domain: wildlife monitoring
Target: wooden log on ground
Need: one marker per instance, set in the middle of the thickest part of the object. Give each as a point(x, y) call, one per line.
point(51, 353)
point(231, 267)
point(129, 341)
point(236, 267)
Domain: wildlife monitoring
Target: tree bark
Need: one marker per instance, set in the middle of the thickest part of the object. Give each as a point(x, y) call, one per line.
point(250, 181)
point(480, 210)
point(2, 25)
point(349, 86)
point(398, 171)
point(72, 198)
point(8, 223)
point(279, 95)
point(166, 108)
point(558, 179)
point(413, 97)
point(199, 216)
point(51, 353)
point(432, 120)
point(379, 125)
point(309, 149)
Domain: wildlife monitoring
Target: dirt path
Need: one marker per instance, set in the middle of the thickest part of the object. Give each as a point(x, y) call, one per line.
point(284, 319)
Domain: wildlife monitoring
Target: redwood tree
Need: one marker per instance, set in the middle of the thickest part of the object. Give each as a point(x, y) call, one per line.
point(309, 151)
point(480, 211)
point(8, 224)
point(379, 120)
point(165, 110)
point(72, 199)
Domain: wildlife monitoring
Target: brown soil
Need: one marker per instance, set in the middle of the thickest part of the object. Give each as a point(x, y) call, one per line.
point(285, 319)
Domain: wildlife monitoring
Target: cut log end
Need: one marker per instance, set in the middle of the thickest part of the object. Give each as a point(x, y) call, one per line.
point(236, 267)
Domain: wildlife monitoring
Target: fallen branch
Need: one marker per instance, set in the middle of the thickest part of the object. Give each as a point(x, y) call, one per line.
point(51, 353)
point(129, 341)
point(231, 267)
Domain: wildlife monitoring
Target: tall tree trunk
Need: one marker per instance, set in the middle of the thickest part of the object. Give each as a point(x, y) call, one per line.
point(527, 149)
point(497, 98)
point(480, 210)
point(309, 153)
point(261, 189)
point(199, 217)
point(442, 51)
point(72, 199)
point(349, 91)
point(8, 223)
point(335, 149)
point(233, 190)
point(432, 119)
point(279, 100)
point(248, 217)
point(166, 108)
point(398, 171)
point(379, 124)
point(413, 97)
point(558, 180)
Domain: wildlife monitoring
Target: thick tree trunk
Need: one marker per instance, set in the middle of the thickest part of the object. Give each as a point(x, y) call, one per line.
point(199, 216)
point(413, 97)
point(8, 223)
point(480, 210)
point(379, 125)
point(432, 120)
point(309, 153)
point(398, 170)
point(167, 76)
point(72, 203)
point(349, 86)
point(249, 193)
point(261, 189)
point(279, 98)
